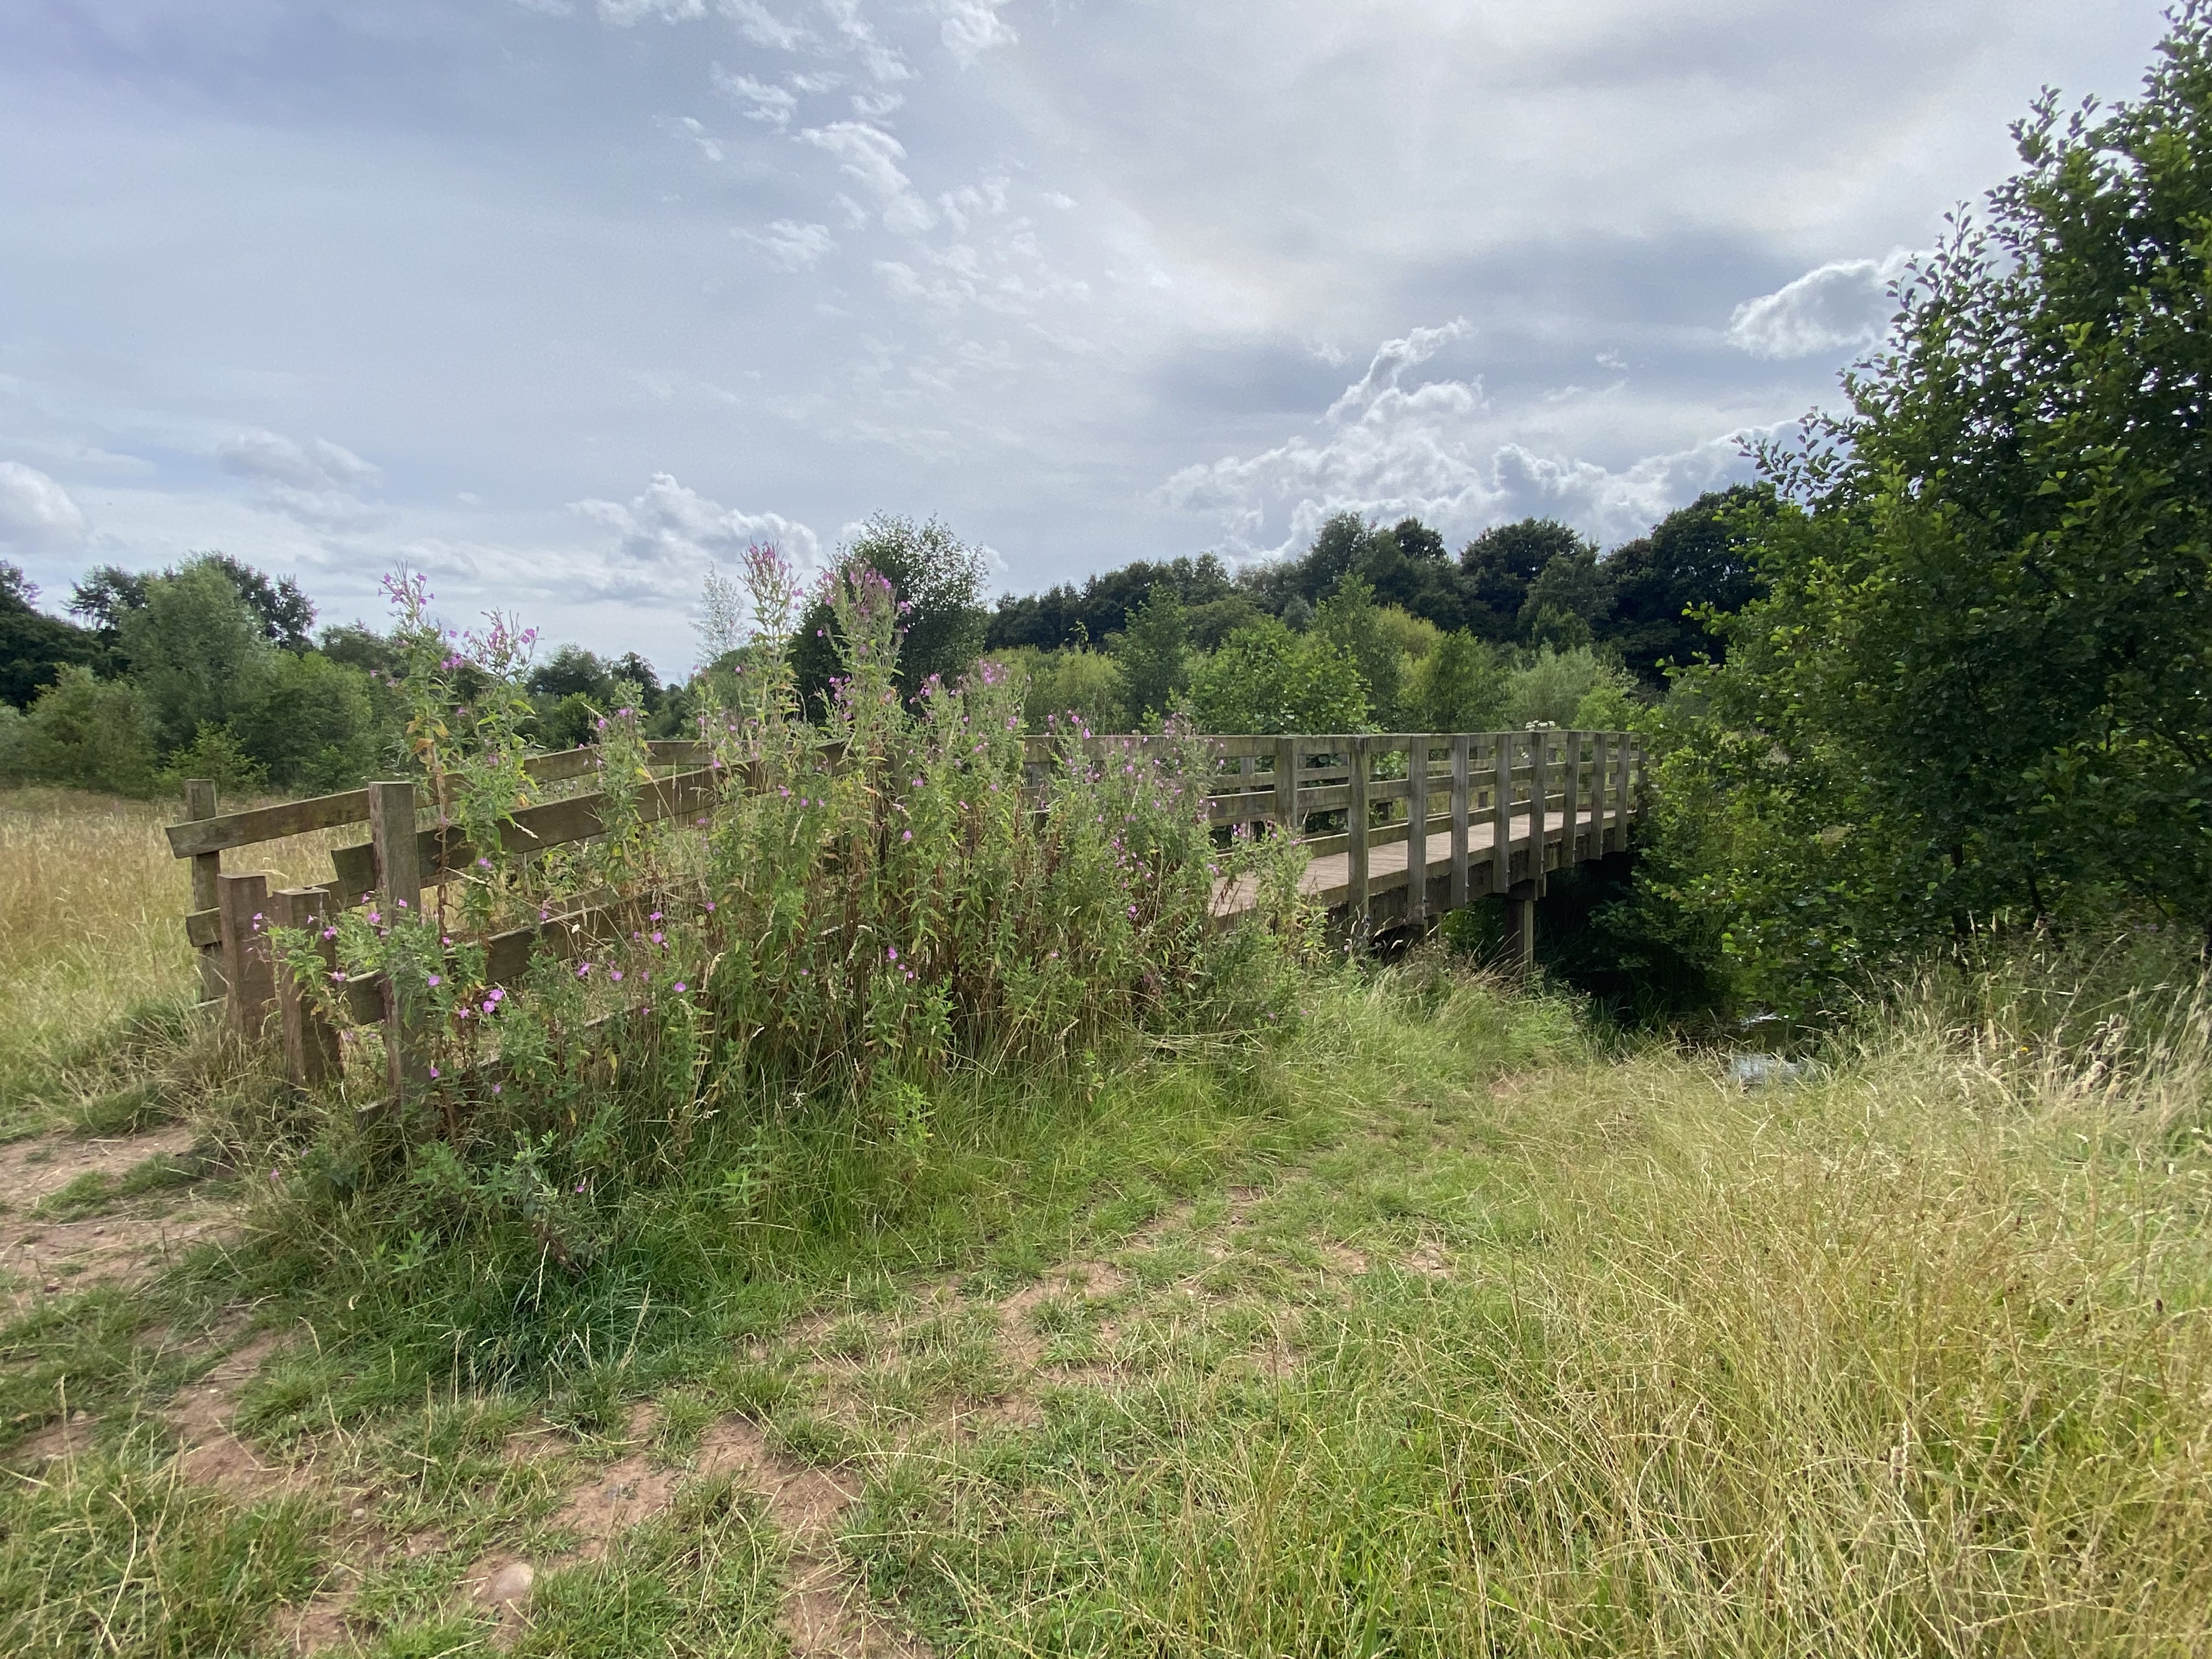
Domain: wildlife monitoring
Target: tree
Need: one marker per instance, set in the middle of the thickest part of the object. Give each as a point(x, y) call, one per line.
point(196, 650)
point(1696, 561)
point(107, 595)
point(283, 613)
point(1372, 635)
point(1266, 678)
point(287, 614)
point(88, 733)
point(35, 647)
point(571, 671)
point(1460, 686)
point(1153, 655)
point(938, 580)
point(1571, 596)
point(1499, 565)
point(1980, 689)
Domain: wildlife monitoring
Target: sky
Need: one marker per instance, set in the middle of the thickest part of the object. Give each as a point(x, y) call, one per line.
point(563, 301)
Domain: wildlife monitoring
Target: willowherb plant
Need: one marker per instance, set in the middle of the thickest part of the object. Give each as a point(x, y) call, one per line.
point(875, 901)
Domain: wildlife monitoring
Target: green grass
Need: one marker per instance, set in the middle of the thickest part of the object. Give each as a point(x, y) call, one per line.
point(1438, 1325)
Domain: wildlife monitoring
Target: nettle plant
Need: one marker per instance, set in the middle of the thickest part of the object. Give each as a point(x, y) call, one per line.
point(876, 902)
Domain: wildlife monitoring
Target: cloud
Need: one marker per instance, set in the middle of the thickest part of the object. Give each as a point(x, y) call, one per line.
point(624, 13)
point(859, 35)
point(686, 126)
point(791, 245)
point(1433, 449)
point(665, 539)
point(1843, 303)
point(972, 28)
point(36, 514)
point(772, 104)
point(319, 483)
point(762, 27)
point(870, 155)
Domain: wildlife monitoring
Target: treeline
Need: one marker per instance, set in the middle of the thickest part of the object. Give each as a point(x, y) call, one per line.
point(1377, 627)
point(213, 668)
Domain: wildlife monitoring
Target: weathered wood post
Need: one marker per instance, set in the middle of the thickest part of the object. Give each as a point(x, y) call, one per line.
point(311, 1043)
point(1539, 803)
point(1417, 829)
point(399, 893)
point(200, 803)
point(1287, 785)
point(1501, 814)
point(1600, 793)
point(1521, 926)
point(241, 903)
point(1355, 825)
point(1569, 850)
point(1462, 757)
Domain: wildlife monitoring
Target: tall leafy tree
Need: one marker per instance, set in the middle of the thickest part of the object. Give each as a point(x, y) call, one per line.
point(1153, 653)
point(1695, 564)
point(1267, 678)
point(35, 647)
point(1981, 687)
point(938, 579)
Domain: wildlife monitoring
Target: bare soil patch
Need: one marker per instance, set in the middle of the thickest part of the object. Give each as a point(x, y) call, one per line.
point(43, 1257)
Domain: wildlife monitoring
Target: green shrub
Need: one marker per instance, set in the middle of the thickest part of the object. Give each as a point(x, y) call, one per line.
point(88, 733)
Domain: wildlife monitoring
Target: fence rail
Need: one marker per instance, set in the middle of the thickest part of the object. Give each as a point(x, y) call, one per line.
point(1515, 806)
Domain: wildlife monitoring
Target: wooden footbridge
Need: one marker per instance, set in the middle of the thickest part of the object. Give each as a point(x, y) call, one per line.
point(1400, 828)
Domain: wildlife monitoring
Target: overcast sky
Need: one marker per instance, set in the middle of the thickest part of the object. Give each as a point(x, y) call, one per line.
point(559, 300)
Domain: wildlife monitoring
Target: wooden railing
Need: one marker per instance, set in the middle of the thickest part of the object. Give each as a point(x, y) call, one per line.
point(1348, 797)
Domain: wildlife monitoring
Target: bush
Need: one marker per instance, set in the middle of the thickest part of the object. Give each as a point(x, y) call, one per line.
point(1266, 678)
point(1549, 689)
point(1075, 684)
point(213, 753)
point(311, 723)
point(88, 733)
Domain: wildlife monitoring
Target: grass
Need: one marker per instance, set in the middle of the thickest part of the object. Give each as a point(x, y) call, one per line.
point(95, 970)
point(1440, 1325)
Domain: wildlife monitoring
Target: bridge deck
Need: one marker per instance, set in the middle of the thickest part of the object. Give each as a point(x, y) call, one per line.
point(1327, 879)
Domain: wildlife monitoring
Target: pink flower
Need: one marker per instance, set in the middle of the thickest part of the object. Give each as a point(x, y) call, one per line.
point(680, 987)
point(615, 974)
point(434, 979)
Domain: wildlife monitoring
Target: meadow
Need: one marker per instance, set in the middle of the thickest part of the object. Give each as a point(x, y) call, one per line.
point(1443, 1320)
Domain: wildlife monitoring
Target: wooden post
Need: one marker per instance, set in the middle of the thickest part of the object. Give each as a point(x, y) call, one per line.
point(1539, 803)
point(1287, 785)
point(399, 893)
point(199, 803)
point(1501, 817)
point(1600, 795)
point(1417, 829)
point(1355, 825)
point(1521, 926)
point(1462, 755)
point(1569, 850)
point(241, 902)
point(311, 1043)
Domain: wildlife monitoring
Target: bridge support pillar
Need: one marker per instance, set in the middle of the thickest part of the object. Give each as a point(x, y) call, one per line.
point(1521, 926)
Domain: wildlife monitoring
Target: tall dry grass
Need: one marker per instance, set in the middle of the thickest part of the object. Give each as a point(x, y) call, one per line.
point(92, 908)
point(1911, 1356)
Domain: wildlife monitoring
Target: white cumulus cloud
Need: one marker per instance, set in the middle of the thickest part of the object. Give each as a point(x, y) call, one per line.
point(871, 156)
point(769, 103)
point(972, 28)
point(319, 483)
point(36, 514)
point(664, 540)
point(1843, 303)
point(791, 244)
point(1435, 450)
point(623, 13)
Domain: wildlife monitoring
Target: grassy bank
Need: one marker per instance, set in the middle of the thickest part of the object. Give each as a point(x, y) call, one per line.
point(1437, 1324)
